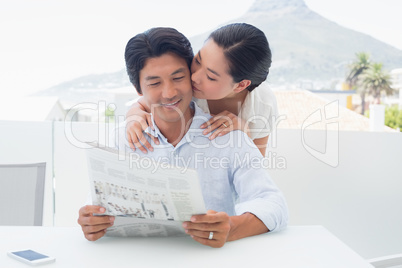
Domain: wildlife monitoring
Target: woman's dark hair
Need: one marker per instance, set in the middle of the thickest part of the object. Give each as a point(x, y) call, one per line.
point(154, 43)
point(247, 50)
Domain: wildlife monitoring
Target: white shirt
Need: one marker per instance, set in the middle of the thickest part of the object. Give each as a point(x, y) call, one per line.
point(230, 168)
point(259, 110)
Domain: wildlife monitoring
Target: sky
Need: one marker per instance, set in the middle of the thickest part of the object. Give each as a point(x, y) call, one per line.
point(46, 42)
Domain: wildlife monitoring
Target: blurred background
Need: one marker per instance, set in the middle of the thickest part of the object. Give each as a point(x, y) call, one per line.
point(336, 75)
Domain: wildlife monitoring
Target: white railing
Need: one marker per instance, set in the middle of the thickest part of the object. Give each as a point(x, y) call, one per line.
point(349, 182)
point(359, 200)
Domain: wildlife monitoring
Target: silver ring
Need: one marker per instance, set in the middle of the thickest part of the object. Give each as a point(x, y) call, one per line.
point(223, 124)
point(211, 235)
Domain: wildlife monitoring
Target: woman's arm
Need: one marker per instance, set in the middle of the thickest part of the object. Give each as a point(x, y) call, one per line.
point(225, 122)
point(138, 119)
point(261, 144)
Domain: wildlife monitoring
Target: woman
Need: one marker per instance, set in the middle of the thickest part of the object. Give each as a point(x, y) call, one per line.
point(226, 76)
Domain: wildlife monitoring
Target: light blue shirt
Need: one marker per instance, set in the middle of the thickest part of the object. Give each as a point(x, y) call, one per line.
point(230, 168)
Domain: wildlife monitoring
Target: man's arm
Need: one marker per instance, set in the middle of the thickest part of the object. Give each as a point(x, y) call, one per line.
point(260, 206)
point(257, 193)
point(246, 225)
point(224, 227)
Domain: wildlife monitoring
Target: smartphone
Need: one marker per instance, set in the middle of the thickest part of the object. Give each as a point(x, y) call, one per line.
point(30, 257)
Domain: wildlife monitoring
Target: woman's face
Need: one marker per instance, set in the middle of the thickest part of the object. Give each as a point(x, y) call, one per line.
point(210, 73)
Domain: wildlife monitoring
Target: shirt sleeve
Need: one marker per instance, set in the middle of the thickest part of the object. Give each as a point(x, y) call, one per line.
point(255, 190)
point(260, 111)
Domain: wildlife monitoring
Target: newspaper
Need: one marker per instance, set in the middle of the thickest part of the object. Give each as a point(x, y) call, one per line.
point(145, 201)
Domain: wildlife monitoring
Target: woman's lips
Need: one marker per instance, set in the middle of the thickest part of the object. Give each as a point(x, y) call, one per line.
point(195, 89)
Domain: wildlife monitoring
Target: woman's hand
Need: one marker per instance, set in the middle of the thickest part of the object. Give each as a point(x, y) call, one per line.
point(137, 121)
point(224, 123)
point(201, 226)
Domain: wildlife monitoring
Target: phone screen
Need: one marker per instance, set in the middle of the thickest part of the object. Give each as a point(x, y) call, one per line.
point(30, 255)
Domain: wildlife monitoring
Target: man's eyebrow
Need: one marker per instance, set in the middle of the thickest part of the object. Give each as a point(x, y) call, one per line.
point(151, 77)
point(181, 70)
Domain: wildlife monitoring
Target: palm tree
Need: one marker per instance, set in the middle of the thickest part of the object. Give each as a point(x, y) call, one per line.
point(376, 81)
point(357, 69)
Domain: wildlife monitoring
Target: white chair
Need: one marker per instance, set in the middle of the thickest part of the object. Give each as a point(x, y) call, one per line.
point(391, 261)
point(22, 193)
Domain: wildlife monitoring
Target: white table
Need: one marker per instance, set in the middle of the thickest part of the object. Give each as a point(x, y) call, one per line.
point(297, 246)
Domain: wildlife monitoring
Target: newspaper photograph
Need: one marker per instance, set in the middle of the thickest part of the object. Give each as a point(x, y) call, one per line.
point(145, 201)
point(136, 227)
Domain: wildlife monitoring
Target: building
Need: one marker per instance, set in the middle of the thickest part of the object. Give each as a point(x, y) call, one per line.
point(300, 109)
point(32, 109)
point(396, 78)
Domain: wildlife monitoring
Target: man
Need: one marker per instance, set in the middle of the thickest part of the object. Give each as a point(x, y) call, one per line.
point(241, 198)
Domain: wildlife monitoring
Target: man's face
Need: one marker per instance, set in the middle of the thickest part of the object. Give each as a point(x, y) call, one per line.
point(166, 86)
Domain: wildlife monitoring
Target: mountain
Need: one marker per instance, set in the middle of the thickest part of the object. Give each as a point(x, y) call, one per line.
point(89, 88)
point(305, 46)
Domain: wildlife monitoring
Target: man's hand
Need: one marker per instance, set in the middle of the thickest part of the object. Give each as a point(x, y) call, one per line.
point(200, 227)
point(94, 227)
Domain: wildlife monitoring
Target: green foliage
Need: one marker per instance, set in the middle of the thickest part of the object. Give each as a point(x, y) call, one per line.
point(368, 78)
point(109, 115)
point(357, 68)
point(393, 117)
point(109, 112)
point(375, 81)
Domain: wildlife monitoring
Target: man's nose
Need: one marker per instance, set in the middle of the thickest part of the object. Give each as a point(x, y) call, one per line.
point(169, 91)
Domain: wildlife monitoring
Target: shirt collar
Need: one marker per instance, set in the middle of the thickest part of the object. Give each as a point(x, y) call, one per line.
point(199, 118)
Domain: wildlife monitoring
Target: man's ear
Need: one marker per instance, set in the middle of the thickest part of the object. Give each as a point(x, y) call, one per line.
point(243, 84)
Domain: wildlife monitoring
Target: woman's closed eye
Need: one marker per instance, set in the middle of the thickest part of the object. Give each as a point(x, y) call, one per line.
point(210, 78)
point(198, 63)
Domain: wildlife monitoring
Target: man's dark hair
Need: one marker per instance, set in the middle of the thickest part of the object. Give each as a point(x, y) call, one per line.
point(154, 43)
point(247, 51)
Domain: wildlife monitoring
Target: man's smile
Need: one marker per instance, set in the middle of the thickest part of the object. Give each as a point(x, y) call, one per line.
point(171, 104)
